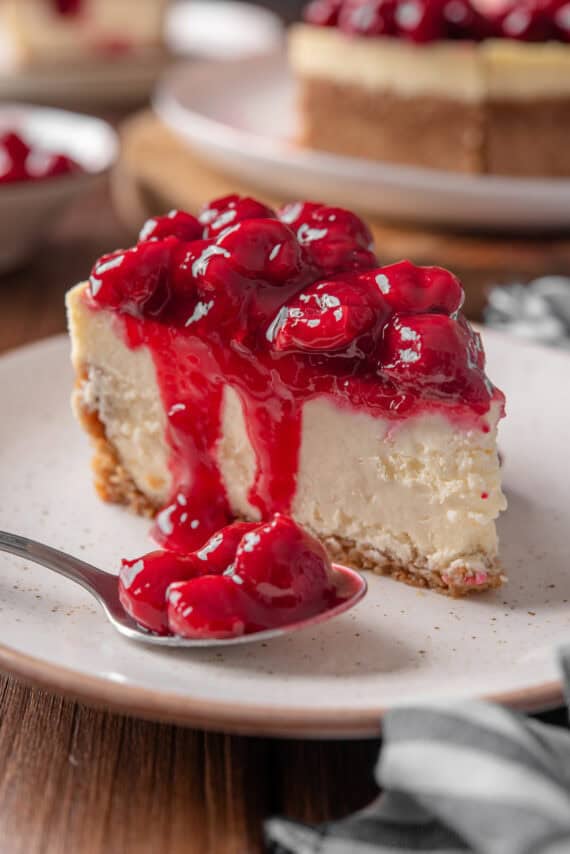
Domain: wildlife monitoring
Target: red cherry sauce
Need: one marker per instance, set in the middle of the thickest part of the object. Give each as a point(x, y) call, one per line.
point(20, 162)
point(423, 21)
point(283, 308)
point(246, 578)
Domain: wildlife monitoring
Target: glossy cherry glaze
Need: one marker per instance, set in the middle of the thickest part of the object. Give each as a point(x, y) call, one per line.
point(20, 162)
point(246, 578)
point(423, 21)
point(283, 309)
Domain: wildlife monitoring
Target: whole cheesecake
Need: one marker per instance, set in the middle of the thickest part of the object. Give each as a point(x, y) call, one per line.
point(251, 362)
point(437, 83)
point(48, 32)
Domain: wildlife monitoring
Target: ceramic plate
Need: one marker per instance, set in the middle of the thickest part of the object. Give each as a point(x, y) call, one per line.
point(400, 645)
point(241, 117)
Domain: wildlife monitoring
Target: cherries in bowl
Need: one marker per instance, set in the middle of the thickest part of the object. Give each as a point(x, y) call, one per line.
point(48, 158)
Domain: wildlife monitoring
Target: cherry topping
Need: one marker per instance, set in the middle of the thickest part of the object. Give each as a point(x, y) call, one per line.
point(430, 350)
point(372, 18)
point(285, 568)
point(407, 288)
point(323, 13)
point(424, 21)
point(531, 22)
point(463, 21)
point(335, 239)
point(19, 162)
point(135, 281)
point(246, 578)
point(218, 553)
point(560, 10)
point(420, 20)
point(193, 515)
point(326, 316)
point(223, 213)
point(175, 224)
point(143, 584)
point(213, 607)
point(264, 249)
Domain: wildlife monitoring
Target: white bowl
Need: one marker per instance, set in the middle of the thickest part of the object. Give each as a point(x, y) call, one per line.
point(28, 209)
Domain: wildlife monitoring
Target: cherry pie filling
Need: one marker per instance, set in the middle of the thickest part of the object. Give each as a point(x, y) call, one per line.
point(423, 21)
point(247, 578)
point(19, 162)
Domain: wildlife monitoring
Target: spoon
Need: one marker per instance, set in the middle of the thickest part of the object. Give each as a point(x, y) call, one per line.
point(104, 587)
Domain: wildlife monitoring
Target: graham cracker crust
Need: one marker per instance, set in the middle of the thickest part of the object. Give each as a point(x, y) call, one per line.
point(382, 125)
point(500, 137)
point(114, 484)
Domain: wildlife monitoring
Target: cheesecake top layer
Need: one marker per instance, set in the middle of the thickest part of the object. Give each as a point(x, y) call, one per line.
point(284, 307)
point(423, 21)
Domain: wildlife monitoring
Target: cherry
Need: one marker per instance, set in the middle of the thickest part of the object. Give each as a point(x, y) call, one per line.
point(60, 165)
point(407, 288)
point(143, 584)
point(464, 21)
point(175, 224)
point(560, 12)
point(430, 350)
point(15, 147)
point(263, 249)
point(218, 553)
point(229, 210)
point(526, 22)
point(284, 568)
point(135, 281)
point(295, 214)
point(369, 18)
point(335, 239)
point(184, 524)
point(420, 20)
point(213, 607)
point(325, 317)
point(323, 13)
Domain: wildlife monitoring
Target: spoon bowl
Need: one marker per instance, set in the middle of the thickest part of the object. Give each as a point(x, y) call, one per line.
point(104, 587)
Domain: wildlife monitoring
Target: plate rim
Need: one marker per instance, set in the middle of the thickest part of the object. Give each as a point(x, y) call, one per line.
point(231, 718)
point(225, 716)
point(273, 148)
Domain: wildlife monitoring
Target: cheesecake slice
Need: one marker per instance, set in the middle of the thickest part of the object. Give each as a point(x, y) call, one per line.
point(250, 362)
point(52, 32)
point(437, 83)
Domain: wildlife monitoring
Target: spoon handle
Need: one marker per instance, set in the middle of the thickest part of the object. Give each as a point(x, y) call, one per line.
point(100, 584)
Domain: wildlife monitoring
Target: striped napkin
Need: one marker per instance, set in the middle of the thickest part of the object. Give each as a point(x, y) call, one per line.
point(465, 777)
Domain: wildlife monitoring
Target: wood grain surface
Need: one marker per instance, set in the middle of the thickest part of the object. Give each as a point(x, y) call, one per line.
point(74, 779)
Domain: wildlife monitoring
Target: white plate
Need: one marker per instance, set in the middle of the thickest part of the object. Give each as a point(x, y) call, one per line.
point(400, 645)
point(241, 117)
point(28, 209)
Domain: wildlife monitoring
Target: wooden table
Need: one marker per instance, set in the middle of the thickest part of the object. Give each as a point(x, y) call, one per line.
point(74, 779)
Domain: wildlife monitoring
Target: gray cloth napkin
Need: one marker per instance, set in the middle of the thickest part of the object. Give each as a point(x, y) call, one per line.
point(455, 777)
point(539, 311)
